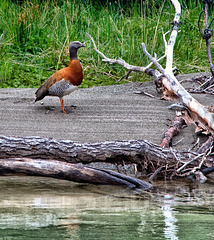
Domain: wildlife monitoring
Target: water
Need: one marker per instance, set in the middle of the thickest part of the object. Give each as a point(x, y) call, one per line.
point(41, 208)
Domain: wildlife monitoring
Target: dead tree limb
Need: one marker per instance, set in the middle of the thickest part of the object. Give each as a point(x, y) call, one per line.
point(198, 112)
point(70, 172)
point(206, 146)
point(147, 70)
point(177, 124)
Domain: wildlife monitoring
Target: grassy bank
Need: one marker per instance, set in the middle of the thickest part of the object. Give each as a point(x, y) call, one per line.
point(35, 38)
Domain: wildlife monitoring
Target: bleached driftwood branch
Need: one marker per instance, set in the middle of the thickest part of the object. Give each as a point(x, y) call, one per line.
point(120, 61)
point(198, 113)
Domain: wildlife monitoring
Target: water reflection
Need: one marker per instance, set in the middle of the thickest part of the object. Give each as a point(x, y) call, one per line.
point(170, 230)
point(41, 208)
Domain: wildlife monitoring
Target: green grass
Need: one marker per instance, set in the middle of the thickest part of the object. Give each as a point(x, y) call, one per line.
point(36, 37)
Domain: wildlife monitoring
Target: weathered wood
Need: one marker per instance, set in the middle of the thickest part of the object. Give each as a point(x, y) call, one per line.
point(177, 124)
point(206, 146)
point(147, 70)
point(133, 151)
point(70, 172)
point(148, 156)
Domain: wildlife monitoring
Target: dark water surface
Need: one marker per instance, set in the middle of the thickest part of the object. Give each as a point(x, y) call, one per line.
point(42, 208)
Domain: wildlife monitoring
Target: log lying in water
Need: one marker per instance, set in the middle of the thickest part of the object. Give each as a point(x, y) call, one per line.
point(70, 172)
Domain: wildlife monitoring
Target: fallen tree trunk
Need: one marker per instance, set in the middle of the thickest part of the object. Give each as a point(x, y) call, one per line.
point(133, 151)
point(70, 172)
point(147, 156)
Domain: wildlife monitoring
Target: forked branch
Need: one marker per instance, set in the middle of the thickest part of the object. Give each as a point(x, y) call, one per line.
point(126, 65)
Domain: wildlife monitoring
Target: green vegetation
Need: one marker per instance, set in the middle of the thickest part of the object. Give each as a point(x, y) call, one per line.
point(35, 38)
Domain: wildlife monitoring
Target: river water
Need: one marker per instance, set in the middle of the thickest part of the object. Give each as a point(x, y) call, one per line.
point(44, 208)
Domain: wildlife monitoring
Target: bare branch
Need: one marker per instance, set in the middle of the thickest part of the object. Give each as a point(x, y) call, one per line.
point(123, 63)
point(187, 163)
point(95, 47)
point(155, 61)
point(177, 124)
point(117, 61)
point(207, 33)
point(145, 93)
point(172, 39)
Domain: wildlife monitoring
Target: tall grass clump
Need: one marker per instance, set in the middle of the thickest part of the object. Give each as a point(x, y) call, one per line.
point(34, 38)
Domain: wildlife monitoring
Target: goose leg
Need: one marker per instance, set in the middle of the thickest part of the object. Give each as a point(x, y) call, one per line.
point(63, 109)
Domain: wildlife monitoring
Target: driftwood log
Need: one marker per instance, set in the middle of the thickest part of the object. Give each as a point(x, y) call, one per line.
point(133, 151)
point(147, 156)
point(70, 172)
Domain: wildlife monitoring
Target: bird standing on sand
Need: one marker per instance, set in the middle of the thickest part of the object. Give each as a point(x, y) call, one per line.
point(65, 80)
